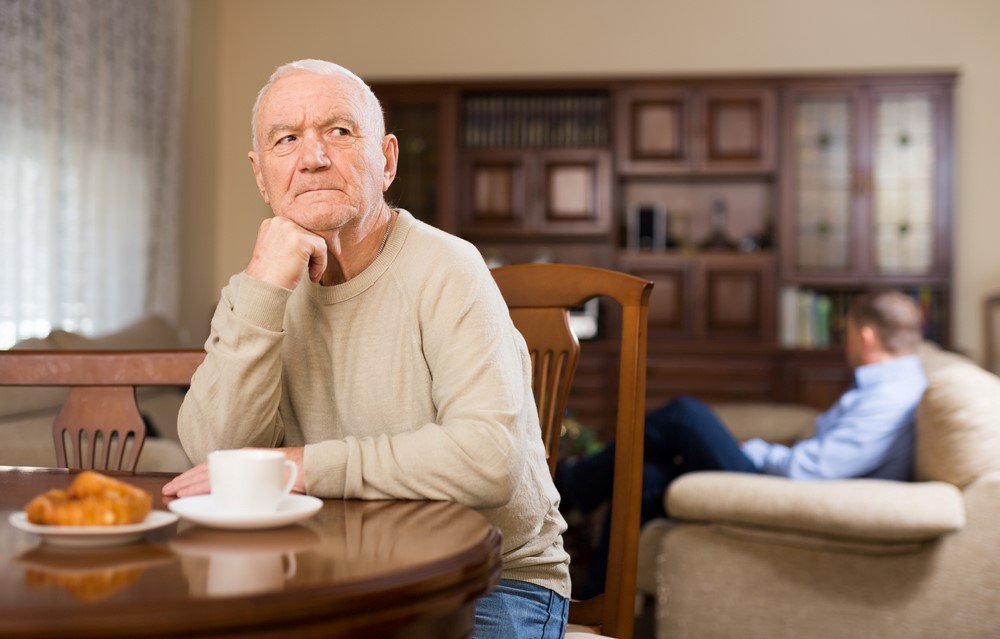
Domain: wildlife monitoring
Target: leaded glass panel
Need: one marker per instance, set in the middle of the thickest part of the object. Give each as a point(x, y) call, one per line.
point(904, 184)
point(823, 187)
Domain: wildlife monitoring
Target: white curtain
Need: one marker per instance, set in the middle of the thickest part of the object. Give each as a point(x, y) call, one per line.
point(90, 95)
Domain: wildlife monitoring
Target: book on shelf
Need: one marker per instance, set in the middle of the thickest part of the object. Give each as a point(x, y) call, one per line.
point(806, 318)
point(813, 318)
point(535, 120)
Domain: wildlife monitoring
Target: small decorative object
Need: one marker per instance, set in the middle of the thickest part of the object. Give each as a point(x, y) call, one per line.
point(759, 240)
point(646, 227)
point(670, 240)
point(717, 238)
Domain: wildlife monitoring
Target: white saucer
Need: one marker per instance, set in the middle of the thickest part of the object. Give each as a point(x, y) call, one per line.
point(202, 510)
point(93, 536)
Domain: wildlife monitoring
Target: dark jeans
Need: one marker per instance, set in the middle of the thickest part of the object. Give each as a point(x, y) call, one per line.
point(682, 436)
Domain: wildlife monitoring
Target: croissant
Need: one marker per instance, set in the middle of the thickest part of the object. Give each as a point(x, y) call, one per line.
point(92, 499)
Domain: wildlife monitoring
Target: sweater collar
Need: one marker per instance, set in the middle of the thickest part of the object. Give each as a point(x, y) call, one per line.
point(367, 278)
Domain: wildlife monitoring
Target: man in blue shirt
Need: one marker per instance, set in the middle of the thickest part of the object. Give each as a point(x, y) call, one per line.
point(868, 432)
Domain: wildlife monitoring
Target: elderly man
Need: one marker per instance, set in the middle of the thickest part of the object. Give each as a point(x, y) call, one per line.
point(868, 432)
point(374, 350)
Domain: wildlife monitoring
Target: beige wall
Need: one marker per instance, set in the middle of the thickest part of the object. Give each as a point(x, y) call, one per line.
point(390, 39)
point(198, 239)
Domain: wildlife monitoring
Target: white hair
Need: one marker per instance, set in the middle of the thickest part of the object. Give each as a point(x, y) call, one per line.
point(375, 120)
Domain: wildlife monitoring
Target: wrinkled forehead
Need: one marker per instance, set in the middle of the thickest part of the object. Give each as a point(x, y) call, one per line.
point(303, 97)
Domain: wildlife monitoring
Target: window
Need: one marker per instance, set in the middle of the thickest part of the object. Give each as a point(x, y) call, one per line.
point(89, 149)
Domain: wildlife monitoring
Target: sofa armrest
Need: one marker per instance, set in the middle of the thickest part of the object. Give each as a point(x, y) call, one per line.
point(861, 509)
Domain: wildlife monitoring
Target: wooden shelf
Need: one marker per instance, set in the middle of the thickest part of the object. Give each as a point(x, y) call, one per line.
point(764, 146)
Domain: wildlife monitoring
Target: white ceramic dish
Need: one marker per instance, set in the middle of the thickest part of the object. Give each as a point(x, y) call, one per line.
point(201, 510)
point(93, 536)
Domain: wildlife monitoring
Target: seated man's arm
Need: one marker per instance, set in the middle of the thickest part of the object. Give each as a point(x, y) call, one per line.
point(234, 395)
point(850, 441)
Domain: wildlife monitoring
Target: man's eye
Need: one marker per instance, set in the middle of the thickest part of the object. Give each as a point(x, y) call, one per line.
point(286, 140)
point(339, 131)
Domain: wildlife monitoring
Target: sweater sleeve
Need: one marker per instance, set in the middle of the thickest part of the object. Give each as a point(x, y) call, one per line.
point(234, 394)
point(475, 451)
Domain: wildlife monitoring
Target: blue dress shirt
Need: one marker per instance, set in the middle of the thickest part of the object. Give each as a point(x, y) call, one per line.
point(869, 432)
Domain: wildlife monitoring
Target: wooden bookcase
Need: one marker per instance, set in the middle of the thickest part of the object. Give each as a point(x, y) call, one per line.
point(782, 198)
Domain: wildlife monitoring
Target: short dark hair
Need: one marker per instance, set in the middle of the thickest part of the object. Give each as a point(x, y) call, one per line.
point(896, 318)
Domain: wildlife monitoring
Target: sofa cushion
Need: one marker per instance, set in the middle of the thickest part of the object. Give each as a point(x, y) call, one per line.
point(27, 441)
point(149, 333)
point(865, 509)
point(958, 425)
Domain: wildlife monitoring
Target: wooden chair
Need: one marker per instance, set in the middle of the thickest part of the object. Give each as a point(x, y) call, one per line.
point(991, 332)
point(539, 297)
point(100, 419)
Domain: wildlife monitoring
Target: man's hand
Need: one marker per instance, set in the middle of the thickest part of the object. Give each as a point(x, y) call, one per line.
point(189, 483)
point(195, 481)
point(282, 252)
point(297, 455)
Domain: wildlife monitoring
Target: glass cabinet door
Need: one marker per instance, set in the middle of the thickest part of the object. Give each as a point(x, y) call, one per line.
point(416, 186)
point(903, 183)
point(865, 186)
point(822, 146)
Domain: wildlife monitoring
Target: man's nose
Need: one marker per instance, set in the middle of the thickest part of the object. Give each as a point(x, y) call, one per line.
point(314, 156)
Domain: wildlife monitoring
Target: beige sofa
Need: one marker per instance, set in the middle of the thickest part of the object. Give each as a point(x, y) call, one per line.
point(754, 556)
point(26, 414)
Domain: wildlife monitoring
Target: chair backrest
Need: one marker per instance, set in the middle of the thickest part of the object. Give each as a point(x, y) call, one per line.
point(100, 420)
point(539, 297)
point(991, 333)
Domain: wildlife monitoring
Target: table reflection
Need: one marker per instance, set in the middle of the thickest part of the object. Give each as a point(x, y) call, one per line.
point(221, 563)
point(92, 574)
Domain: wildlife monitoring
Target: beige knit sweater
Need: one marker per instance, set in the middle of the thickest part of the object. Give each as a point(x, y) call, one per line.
point(407, 382)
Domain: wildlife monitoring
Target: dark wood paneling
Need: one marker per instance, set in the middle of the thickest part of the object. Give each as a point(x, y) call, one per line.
point(739, 297)
point(495, 196)
point(740, 131)
point(672, 303)
point(658, 130)
point(813, 377)
point(728, 137)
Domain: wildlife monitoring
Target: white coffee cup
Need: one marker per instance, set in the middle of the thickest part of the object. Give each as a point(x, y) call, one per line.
point(249, 481)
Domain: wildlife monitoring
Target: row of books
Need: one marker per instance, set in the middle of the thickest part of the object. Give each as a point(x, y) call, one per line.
point(817, 319)
point(935, 312)
point(535, 121)
point(808, 318)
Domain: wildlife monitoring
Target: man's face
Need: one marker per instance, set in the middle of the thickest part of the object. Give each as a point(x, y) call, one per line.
point(317, 162)
point(853, 344)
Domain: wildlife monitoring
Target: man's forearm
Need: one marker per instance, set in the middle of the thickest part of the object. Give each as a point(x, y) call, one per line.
point(234, 395)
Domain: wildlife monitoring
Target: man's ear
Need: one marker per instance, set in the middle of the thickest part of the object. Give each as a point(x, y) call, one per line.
point(870, 339)
point(258, 176)
point(390, 150)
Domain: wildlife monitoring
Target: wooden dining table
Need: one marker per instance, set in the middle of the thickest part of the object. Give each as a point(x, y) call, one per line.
point(354, 569)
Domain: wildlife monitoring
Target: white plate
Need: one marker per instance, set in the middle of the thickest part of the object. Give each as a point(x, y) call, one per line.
point(93, 536)
point(202, 510)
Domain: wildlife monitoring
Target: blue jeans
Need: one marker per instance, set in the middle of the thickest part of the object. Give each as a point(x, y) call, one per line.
point(520, 610)
point(682, 436)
